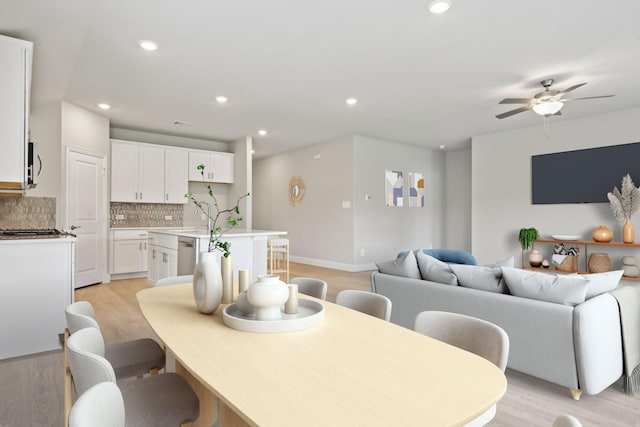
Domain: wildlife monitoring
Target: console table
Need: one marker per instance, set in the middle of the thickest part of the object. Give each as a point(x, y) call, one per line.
point(582, 244)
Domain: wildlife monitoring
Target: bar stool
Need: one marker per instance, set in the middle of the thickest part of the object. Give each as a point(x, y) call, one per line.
point(279, 257)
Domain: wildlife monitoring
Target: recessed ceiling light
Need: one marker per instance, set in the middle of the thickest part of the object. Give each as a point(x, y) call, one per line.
point(104, 106)
point(148, 45)
point(442, 147)
point(439, 6)
point(221, 99)
point(253, 151)
point(262, 132)
point(351, 101)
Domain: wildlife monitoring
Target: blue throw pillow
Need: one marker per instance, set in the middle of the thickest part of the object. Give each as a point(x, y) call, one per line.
point(450, 256)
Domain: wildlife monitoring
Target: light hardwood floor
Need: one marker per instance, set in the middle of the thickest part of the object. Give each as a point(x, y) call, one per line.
point(31, 387)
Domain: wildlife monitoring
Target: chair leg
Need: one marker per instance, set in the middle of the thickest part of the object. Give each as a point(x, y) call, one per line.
point(67, 381)
point(154, 371)
point(576, 393)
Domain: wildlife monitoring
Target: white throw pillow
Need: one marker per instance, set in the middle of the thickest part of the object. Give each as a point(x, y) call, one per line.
point(479, 277)
point(600, 283)
point(434, 270)
point(509, 262)
point(405, 266)
point(561, 289)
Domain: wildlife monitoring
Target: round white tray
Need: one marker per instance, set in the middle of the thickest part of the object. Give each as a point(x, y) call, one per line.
point(309, 314)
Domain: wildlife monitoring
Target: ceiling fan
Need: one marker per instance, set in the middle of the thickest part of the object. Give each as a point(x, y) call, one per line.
point(546, 103)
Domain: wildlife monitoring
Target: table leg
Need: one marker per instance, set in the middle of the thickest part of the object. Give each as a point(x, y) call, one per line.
point(228, 418)
point(208, 400)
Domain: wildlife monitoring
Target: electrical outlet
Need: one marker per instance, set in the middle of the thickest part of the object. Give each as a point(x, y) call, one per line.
point(346, 204)
point(119, 216)
point(203, 217)
point(361, 252)
point(168, 217)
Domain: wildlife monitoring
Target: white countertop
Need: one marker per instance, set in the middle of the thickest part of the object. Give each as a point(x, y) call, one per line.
point(50, 240)
point(202, 232)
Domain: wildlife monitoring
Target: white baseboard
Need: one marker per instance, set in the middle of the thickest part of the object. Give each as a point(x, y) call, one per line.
point(353, 268)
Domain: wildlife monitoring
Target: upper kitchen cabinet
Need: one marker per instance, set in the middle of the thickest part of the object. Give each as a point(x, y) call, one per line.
point(137, 172)
point(218, 166)
point(15, 87)
point(176, 175)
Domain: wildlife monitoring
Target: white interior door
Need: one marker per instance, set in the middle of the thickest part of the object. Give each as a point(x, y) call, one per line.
point(86, 214)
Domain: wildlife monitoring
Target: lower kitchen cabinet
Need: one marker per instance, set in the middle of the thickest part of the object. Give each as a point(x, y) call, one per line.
point(163, 256)
point(128, 251)
point(36, 287)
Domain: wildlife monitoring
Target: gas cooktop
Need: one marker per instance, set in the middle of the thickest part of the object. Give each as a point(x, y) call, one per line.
point(32, 233)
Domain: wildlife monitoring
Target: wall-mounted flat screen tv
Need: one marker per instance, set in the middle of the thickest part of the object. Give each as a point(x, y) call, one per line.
point(582, 176)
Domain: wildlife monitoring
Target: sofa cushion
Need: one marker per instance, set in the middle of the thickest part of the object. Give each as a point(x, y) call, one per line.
point(561, 289)
point(405, 266)
point(435, 270)
point(508, 262)
point(479, 277)
point(600, 283)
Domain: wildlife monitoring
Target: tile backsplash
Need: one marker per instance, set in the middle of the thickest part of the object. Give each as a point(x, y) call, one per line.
point(27, 212)
point(145, 215)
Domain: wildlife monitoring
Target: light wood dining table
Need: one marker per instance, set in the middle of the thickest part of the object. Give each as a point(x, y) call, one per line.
point(349, 370)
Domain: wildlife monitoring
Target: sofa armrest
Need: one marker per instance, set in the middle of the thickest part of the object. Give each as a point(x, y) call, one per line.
point(598, 343)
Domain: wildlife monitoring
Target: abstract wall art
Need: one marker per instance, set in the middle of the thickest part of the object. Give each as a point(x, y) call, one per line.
point(416, 190)
point(393, 187)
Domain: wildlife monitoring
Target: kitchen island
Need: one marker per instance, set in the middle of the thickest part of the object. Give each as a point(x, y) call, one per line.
point(248, 248)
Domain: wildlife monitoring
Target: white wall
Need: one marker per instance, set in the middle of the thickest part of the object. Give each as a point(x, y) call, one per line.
point(243, 182)
point(458, 200)
point(383, 231)
point(501, 182)
point(320, 231)
point(324, 233)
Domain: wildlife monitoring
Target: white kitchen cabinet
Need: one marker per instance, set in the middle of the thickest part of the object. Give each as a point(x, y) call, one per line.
point(163, 256)
point(137, 172)
point(37, 285)
point(176, 175)
point(219, 166)
point(129, 249)
point(15, 88)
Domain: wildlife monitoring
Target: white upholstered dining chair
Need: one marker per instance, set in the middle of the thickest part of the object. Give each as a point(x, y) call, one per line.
point(100, 406)
point(376, 305)
point(475, 335)
point(566, 421)
point(468, 333)
point(156, 401)
point(309, 286)
point(128, 358)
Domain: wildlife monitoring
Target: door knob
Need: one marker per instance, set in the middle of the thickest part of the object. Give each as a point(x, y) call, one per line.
point(73, 227)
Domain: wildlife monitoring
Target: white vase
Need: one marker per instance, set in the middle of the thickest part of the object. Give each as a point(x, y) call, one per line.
point(226, 268)
point(268, 295)
point(207, 283)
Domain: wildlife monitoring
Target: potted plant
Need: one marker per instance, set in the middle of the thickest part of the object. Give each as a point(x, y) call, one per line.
point(526, 236)
point(215, 230)
point(211, 286)
point(625, 204)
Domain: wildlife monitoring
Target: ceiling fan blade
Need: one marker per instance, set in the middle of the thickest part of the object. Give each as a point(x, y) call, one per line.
point(515, 101)
point(588, 97)
point(512, 112)
point(573, 87)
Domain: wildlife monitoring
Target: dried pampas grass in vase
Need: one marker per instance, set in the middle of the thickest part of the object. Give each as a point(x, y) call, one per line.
point(625, 203)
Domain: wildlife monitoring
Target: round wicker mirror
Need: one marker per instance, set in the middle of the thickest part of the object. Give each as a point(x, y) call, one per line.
point(297, 190)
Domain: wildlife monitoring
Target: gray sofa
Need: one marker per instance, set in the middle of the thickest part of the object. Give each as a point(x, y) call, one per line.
point(579, 346)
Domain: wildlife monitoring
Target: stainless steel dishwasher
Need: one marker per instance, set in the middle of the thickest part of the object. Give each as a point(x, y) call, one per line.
point(186, 255)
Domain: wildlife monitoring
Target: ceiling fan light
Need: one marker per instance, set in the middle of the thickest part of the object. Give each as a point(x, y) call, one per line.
point(547, 108)
point(439, 6)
